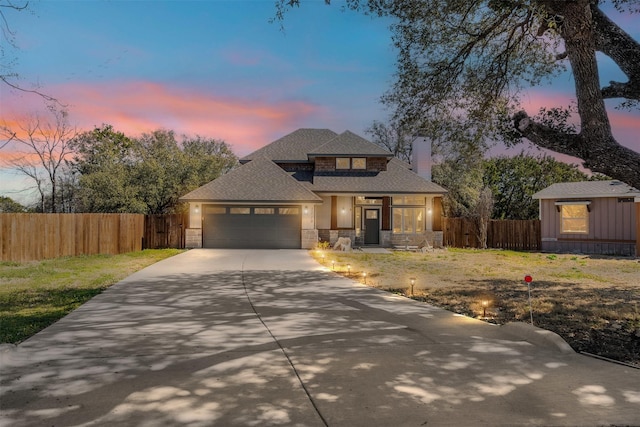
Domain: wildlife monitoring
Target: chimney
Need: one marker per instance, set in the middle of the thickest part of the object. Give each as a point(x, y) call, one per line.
point(421, 157)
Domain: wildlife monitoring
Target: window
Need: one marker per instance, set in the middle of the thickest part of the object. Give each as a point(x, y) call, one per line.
point(240, 211)
point(409, 200)
point(264, 211)
point(216, 210)
point(362, 200)
point(408, 220)
point(359, 163)
point(574, 219)
point(358, 219)
point(289, 211)
point(343, 163)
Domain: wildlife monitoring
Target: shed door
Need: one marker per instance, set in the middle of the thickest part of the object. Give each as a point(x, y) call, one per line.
point(252, 227)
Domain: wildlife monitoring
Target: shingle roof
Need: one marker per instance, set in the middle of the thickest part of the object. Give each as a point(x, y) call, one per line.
point(349, 144)
point(294, 146)
point(396, 179)
point(260, 180)
point(575, 190)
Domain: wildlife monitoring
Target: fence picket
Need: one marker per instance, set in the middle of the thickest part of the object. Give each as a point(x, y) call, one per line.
point(520, 235)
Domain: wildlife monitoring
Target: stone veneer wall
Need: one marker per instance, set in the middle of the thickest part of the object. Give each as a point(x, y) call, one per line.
point(309, 239)
point(387, 238)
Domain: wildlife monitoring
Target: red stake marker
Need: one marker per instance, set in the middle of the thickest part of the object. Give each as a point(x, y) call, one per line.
point(529, 279)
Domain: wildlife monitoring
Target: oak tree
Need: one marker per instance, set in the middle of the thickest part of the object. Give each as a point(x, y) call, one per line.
point(466, 63)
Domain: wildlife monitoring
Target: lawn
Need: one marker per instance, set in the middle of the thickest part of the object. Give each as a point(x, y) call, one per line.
point(593, 302)
point(34, 295)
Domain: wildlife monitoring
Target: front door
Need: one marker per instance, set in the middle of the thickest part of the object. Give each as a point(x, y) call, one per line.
point(371, 226)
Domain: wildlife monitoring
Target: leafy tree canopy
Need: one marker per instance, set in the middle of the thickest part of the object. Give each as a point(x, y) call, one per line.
point(513, 180)
point(463, 64)
point(146, 174)
point(8, 205)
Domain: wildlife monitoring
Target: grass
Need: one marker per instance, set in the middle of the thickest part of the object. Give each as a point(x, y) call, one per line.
point(591, 301)
point(34, 295)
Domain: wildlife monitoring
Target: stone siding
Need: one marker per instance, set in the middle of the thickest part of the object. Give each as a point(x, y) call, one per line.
point(309, 239)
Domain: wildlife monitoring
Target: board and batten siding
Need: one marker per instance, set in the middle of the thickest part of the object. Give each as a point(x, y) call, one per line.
point(613, 228)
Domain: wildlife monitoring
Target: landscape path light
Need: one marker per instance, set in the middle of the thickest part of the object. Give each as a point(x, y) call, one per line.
point(322, 256)
point(413, 282)
point(528, 279)
point(348, 269)
point(364, 277)
point(333, 264)
point(485, 303)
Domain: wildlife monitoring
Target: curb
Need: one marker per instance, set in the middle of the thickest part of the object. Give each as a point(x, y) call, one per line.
point(537, 336)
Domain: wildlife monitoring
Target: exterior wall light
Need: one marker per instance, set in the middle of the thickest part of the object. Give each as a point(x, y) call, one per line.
point(306, 210)
point(197, 209)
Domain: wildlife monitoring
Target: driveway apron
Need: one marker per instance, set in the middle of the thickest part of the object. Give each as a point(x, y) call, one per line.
point(267, 337)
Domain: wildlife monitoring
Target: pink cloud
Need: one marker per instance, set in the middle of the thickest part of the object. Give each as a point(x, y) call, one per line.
point(135, 107)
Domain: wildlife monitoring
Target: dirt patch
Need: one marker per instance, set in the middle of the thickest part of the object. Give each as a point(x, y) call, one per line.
point(593, 302)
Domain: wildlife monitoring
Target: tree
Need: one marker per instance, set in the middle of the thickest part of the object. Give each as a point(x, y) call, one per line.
point(146, 174)
point(47, 145)
point(167, 169)
point(465, 63)
point(7, 75)
point(393, 138)
point(513, 180)
point(102, 165)
point(8, 205)
point(482, 215)
point(459, 170)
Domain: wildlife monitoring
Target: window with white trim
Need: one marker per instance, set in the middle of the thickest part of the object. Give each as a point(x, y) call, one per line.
point(408, 220)
point(574, 218)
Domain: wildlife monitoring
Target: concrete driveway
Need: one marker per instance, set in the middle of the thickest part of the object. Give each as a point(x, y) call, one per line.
point(256, 338)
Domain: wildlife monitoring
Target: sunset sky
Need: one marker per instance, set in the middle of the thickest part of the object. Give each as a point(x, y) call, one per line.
point(217, 69)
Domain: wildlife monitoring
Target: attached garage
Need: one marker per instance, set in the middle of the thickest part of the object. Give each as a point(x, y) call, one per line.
point(255, 227)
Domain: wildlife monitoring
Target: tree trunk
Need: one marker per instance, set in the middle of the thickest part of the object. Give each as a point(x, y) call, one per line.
point(595, 143)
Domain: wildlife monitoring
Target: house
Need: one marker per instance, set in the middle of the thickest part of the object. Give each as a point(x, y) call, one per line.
point(315, 184)
point(593, 217)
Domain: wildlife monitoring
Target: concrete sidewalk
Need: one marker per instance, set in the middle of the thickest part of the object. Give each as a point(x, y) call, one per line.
point(256, 338)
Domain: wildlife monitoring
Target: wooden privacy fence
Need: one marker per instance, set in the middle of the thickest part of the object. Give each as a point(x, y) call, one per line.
point(164, 231)
point(520, 235)
point(31, 237)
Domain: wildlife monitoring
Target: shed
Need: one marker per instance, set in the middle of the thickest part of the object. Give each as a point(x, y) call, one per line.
point(591, 217)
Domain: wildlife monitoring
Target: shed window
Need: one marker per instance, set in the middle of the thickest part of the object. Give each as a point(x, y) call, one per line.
point(574, 219)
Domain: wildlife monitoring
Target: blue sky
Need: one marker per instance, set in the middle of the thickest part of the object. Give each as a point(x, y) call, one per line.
point(217, 69)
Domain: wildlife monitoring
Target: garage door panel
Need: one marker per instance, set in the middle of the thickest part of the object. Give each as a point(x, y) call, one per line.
point(266, 229)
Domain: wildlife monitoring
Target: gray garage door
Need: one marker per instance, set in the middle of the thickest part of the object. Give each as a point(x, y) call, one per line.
point(260, 227)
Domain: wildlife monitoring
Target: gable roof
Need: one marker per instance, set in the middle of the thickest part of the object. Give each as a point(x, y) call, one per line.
point(260, 180)
point(349, 144)
point(292, 147)
point(397, 179)
point(582, 189)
